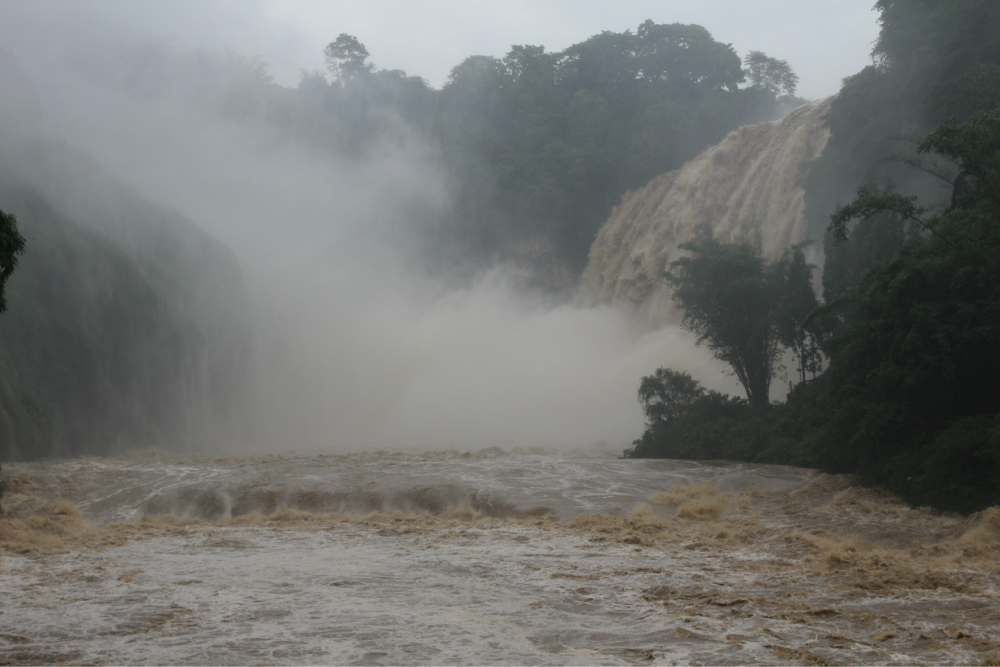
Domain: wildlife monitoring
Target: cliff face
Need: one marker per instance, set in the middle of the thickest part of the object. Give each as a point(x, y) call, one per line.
point(127, 325)
point(747, 185)
point(111, 342)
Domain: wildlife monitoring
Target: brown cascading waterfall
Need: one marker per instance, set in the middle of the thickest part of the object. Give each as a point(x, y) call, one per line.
point(745, 185)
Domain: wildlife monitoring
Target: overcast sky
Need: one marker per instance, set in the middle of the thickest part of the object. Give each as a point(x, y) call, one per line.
point(824, 40)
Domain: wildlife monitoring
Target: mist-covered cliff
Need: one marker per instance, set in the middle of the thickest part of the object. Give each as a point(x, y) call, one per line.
point(126, 323)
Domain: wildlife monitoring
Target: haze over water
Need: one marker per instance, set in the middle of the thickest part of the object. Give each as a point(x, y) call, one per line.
point(423, 468)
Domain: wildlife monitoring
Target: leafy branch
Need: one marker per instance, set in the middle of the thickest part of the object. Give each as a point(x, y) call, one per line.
point(870, 203)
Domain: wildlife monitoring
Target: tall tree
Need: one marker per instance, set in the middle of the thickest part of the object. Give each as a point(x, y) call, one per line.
point(345, 58)
point(796, 330)
point(770, 74)
point(731, 295)
point(745, 307)
point(11, 245)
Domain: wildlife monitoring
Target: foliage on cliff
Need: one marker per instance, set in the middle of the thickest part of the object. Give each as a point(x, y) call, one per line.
point(914, 366)
point(909, 400)
point(543, 144)
point(934, 59)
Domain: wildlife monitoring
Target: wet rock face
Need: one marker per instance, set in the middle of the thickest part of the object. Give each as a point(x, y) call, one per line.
point(748, 185)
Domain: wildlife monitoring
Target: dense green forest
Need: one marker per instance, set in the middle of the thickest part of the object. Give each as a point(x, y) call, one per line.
point(543, 145)
point(910, 324)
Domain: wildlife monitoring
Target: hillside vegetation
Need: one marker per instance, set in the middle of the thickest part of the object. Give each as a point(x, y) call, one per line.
point(910, 327)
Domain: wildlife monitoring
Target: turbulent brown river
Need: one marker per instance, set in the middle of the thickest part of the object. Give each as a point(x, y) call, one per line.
point(483, 558)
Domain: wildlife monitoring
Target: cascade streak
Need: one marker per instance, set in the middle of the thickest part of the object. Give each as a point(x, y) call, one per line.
point(746, 184)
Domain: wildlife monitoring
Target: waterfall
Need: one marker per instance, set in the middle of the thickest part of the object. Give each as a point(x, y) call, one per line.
point(745, 185)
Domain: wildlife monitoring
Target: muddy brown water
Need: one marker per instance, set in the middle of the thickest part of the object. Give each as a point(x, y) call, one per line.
point(483, 558)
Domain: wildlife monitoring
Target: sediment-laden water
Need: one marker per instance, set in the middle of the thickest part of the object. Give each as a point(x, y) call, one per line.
point(483, 558)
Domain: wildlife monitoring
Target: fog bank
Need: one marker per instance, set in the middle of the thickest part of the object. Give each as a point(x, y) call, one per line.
point(355, 345)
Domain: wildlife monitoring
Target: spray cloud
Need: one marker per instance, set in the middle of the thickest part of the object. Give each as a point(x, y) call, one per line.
point(355, 345)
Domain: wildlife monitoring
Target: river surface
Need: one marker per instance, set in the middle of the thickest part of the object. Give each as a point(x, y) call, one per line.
point(483, 558)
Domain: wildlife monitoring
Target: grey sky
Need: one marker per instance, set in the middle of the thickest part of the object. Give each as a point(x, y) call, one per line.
point(824, 40)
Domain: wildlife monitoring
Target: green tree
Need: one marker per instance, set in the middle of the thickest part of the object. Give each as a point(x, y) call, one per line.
point(11, 245)
point(666, 395)
point(684, 421)
point(796, 330)
point(686, 54)
point(730, 299)
point(345, 58)
point(744, 307)
point(770, 74)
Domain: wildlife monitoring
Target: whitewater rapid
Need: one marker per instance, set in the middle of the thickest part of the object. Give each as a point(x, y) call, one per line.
point(482, 558)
